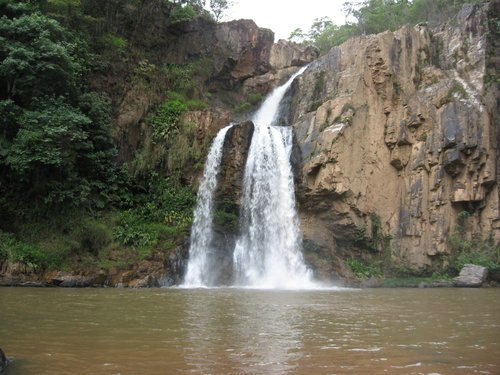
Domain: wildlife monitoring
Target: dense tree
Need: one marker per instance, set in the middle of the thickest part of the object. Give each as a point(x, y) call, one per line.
point(37, 57)
point(55, 143)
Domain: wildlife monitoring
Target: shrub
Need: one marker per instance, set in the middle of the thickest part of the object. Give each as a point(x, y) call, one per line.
point(93, 236)
point(254, 98)
point(162, 218)
point(474, 250)
point(182, 14)
point(21, 252)
point(243, 107)
point(114, 42)
point(165, 121)
point(363, 270)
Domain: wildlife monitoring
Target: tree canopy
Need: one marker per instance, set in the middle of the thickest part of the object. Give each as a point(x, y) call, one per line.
point(55, 143)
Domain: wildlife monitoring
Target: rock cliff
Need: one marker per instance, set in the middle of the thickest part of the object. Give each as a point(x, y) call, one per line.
point(234, 59)
point(398, 134)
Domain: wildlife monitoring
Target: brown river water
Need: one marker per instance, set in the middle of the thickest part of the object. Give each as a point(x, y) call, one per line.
point(238, 331)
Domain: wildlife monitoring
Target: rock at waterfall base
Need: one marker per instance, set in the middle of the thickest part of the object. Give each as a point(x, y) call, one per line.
point(4, 361)
point(471, 276)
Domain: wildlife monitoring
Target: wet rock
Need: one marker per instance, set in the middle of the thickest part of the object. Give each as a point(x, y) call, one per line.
point(4, 361)
point(68, 280)
point(227, 201)
point(235, 153)
point(175, 266)
point(471, 276)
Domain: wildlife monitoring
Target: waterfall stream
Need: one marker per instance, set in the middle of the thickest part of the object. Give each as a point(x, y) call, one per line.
point(198, 269)
point(267, 253)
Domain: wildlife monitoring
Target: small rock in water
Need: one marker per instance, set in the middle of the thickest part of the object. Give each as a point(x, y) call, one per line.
point(4, 361)
point(471, 276)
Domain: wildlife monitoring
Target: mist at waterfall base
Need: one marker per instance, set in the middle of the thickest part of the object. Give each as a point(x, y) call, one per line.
point(267, 253)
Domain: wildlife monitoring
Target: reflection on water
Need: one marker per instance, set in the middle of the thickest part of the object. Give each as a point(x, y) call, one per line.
point(257, 332)
point(235, 331)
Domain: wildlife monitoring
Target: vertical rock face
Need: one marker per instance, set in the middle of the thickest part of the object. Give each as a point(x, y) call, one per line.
point(227, 199)
point(398, 135)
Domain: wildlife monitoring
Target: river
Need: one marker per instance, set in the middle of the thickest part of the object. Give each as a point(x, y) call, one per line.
point(240, 331)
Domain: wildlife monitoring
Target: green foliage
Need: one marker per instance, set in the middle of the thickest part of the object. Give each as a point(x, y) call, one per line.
point(364, 270)
point(165, 121)
point(179, 137)
point(93, 235)
point(114, 42)
point(184, 150)
point(375, 16)
point(38, 57)
point(19, 252)
point(182, 14)
point(462, 219)
point(180, 77)
point(50, 136)
point(476, 251)
point(473, 249)
point(226, 215)
point(56, 150)
point(55, 143)
point(254, 98)
point(161, 218)
point(226, 220)
point(243, 107)
point(132, 230)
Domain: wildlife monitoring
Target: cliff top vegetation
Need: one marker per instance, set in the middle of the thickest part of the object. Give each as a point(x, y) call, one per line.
point(375, 16)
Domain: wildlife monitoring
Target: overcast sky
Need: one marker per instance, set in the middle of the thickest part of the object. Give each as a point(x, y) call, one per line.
point(284, 16)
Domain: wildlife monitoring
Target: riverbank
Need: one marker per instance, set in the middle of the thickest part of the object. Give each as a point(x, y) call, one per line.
point(144, 274)
point(152, 274)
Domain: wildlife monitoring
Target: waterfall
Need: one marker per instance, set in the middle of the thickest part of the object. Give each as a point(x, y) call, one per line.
point(268, 251)
point(198, 272)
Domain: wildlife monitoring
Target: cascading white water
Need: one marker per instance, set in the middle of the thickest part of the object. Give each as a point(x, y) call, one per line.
point(267, 253)
point(198, 273)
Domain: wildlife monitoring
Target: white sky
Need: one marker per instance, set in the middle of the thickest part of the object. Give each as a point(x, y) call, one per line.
point(284, 16)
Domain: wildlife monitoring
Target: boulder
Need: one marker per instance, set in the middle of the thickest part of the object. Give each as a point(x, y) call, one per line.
point(471, 276)
point(4, 361)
